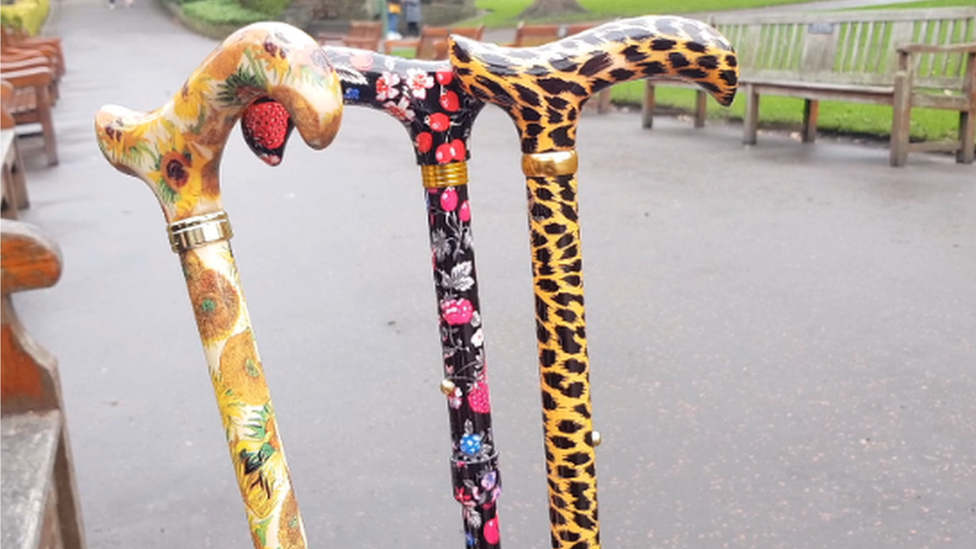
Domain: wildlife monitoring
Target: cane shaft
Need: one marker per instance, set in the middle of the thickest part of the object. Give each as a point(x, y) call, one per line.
point(474, 458)
point(563, 362)
point(243, 398)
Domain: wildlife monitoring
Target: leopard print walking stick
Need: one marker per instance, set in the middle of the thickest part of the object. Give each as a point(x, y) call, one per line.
point(543, 90)
point(176, 150)
point(427, 99)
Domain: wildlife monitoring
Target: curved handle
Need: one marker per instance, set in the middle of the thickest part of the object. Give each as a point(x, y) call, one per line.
point(424, 96)
point(543, 88)
point(176, 149)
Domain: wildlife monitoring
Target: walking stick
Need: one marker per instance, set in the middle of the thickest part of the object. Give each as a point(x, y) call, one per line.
point(543, 89)
point(176, 150)
point(438, 114)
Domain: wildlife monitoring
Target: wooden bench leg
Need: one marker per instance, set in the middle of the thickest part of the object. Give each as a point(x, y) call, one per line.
point(603, 102)
point(69, 508)
point(811, 111)
point(750, 129)
point(701, 105)
point(47, 126)
point(647, 106)
point(967, 137)
point(18, 179)
point(901, 122)
point(9, 193)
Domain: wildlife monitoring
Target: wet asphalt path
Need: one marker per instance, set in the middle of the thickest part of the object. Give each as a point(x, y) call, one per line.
point(782, 337)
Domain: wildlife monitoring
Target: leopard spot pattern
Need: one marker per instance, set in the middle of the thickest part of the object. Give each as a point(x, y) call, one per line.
point(543, 88)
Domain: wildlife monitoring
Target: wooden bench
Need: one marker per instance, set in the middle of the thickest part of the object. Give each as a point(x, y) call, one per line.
point(39, 499)
point(16, 40)
point(902, 58)
point(432, 42)
point(31, 103)
point(13, 183)
point(536, 35)
point(365, 35)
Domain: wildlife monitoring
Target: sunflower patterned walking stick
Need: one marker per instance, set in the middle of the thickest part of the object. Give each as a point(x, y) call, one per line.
point(438, 114)
point(543, 89)
point(176, 150)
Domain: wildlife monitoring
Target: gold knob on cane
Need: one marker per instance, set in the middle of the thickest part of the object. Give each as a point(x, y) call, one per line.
point(447, 387)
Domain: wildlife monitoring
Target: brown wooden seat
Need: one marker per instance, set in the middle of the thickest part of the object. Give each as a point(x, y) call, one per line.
point(432, 42)
point(39, 498)
point(31, 103)
point(14, 38)
point(364, 35)
point(13, 184)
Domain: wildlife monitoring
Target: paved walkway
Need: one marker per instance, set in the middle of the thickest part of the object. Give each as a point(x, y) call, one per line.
point(782, 336)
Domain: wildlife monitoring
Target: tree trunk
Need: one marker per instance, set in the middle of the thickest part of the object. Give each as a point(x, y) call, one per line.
point(548, 8)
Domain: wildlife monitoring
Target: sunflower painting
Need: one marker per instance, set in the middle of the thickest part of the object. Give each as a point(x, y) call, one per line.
point(176, 149)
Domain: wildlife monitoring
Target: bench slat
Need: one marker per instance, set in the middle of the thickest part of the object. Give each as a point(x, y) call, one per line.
point(28, 446)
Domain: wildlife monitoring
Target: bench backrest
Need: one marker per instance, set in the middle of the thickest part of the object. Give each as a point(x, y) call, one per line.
point(849, 47)
point(535, 35)
point(432, 44)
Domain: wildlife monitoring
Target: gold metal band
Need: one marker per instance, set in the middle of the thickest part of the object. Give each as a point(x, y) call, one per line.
point(200, 230)
point(445, 175)
point(550, 164)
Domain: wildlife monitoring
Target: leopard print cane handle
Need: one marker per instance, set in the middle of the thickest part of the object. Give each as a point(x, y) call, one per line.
point(176, 149)
point(543, 88)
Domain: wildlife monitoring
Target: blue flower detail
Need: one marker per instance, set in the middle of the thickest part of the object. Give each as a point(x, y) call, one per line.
point(352, 94)
point(471, 444)
point(470, 539)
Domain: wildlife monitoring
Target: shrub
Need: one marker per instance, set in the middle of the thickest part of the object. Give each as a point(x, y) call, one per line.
point(26, 14)
point(268, 7)
point(222, 12)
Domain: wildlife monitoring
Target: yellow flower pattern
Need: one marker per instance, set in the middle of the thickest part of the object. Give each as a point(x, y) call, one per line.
point(176, 151)
point(175, 148)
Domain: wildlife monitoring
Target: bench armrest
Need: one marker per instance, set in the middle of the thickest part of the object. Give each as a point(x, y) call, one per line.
point(36, 76)
point(908, 61)
point(969, 47)
point(31, 260)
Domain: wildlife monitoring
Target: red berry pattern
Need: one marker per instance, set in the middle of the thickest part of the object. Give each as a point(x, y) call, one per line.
point(478, 398)
point(267, 124)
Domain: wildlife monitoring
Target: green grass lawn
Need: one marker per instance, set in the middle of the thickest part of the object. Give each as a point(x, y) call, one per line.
point(925, 4)
point(839, 117)
point(505, 13)
point(835, 116)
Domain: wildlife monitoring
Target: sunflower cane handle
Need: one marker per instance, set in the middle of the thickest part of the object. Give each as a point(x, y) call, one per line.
point(543, 89)
point(176, 150)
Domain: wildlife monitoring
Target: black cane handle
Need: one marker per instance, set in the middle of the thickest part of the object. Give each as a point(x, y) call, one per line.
point(543, 87)
point(424, 96)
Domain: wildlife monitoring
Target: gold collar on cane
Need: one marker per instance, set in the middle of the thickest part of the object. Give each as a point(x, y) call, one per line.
point(197, 231)
point(444, 175)
point(550, 164)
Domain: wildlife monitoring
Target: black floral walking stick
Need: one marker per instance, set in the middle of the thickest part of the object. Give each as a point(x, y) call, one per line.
point(430, 103)
point(543, 90)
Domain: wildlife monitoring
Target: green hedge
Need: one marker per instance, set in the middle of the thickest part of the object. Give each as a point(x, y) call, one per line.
point(27, 14)
point(222, 12)
point(269, 7)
